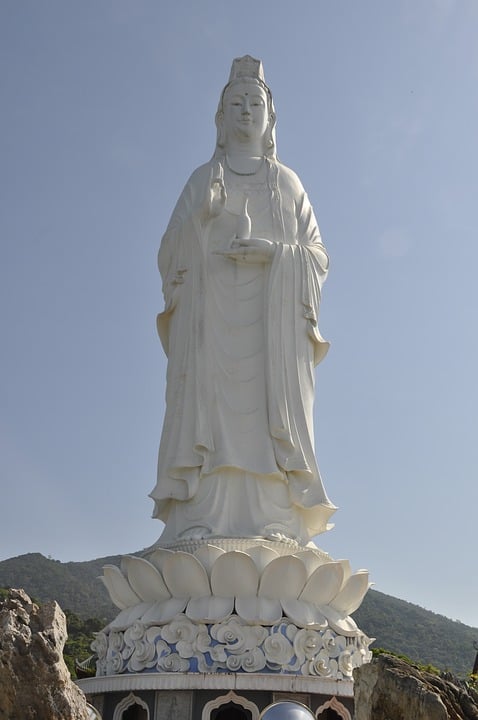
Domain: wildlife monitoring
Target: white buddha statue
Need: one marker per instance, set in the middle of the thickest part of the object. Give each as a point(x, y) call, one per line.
point(242, 264)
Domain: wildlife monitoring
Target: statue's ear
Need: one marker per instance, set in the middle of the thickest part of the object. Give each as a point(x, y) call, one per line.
point(269, 137)
point(221, 134)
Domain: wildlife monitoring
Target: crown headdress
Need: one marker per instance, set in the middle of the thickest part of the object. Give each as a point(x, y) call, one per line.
point(247, 67)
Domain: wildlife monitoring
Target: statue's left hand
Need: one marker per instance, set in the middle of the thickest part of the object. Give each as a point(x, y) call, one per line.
point(252, 250)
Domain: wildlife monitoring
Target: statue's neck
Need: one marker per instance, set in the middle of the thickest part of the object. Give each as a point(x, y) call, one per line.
point(244, 143)
point(244, 163)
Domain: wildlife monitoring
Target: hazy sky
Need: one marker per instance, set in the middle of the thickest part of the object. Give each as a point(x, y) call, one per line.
point(106, 108)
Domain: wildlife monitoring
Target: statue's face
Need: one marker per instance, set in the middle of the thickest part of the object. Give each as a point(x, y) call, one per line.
point(246, 112)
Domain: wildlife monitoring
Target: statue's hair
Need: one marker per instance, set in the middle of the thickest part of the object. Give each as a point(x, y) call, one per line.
point(269, 136)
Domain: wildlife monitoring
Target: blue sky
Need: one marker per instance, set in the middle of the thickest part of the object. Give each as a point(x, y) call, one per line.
point(107, 106)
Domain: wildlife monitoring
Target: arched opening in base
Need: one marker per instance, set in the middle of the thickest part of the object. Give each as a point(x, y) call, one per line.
point(135, 712)
point(231, 711)
point(333, 710)
point(131, 708)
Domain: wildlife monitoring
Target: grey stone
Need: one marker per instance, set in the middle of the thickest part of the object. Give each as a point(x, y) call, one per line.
point(34, 680)
point(390, 689)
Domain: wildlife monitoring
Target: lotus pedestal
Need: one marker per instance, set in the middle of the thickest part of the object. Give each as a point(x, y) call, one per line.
point(229, 625)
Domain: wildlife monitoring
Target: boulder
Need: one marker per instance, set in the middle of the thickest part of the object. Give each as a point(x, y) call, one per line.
point(390, 689)
point(34, 680)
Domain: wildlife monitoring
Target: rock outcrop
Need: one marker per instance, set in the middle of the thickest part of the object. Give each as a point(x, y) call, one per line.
point(390, 689)
point(34, 680)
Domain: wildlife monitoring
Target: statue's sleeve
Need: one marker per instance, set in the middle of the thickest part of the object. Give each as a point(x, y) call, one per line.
point(314, 267)
point(301, 258)
point(294, 343)
point(171, 257)
point(177, 251)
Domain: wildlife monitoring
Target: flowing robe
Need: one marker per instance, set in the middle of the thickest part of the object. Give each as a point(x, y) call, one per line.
point(237, 455)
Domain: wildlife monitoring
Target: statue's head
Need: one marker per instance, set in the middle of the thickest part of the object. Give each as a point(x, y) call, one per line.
point(247, 78)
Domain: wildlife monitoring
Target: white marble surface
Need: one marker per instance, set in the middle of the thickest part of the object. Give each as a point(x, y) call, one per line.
point(259, 585)
point(242, 264)
point(221, 611)
point(231, 645)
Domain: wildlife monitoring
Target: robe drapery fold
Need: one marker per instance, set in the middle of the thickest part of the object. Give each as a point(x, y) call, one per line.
point(192, 450)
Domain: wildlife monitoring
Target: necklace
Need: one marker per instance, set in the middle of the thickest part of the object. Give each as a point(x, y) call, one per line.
point(236, 172)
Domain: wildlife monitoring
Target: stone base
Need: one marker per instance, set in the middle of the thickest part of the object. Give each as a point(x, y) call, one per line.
point(196, 696)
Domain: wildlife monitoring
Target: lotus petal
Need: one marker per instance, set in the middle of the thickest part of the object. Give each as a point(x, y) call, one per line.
point(259, 610)
point(234, 573)
point(210, 608)
point(324, 584)
point(304, 614)
point(262, 556)
point(207, 556)
point(163, 611)
point(129, 616)
point(145, 579)
point(311, 560)
point(284, 577)
point(159, 557)
point(345, 626)
point(352, 593)
point(118, 587)
point(347, 570)
point(185, 576)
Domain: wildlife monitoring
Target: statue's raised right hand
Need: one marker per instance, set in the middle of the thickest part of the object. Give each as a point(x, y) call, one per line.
point(215, 197)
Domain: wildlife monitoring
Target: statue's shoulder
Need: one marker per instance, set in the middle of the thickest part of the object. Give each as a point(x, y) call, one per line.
point(288, 178)
point(194, 187)
point(200, 174)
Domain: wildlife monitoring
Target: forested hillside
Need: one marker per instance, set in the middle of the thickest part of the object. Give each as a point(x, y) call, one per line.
point(397, 625)
point(421, 635)
point(74, 585)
